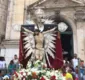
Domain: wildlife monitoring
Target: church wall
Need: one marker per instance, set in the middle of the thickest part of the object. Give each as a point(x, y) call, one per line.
point(3, 17)
point(16, 17)
point(81, 39)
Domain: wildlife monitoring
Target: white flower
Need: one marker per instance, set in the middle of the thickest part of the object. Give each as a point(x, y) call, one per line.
point(22, 70)
point(52, 73)
point(43, 71)
point(56, 71)
point(42, 63)
point(46, 78)
point(29, 64)
point(29, 73)
point(38, 68)
point(34, 69)
point(24, 74)
point(48, 73)
point(63, 78)
point(19, 76)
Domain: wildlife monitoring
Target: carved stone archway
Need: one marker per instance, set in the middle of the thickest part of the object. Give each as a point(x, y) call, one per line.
point(74, 29)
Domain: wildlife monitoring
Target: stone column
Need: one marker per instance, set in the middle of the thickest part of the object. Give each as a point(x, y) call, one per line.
point(9, 19)
point(80, 22)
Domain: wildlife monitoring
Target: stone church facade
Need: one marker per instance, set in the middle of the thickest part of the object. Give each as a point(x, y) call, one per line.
point(3, 18)
point(71, 11)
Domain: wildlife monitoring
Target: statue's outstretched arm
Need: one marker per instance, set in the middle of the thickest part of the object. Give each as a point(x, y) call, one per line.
point(27, 30)
point(51, 30)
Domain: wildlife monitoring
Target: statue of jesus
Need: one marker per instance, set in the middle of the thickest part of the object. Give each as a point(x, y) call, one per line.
point(39, 44)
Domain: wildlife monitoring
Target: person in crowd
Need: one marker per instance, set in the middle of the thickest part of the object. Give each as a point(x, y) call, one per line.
point(76, 73)
point(3, 65)
point(1, 78)
point(82, 63)
point(64, 72)
point(16, 61)
point(72, 70)
point(6, 77)
point(82, 68)
point(11, 67)
point(66, 61)
point(75, 61)
point(69, 75)
point(67, 72)
point(84, 76)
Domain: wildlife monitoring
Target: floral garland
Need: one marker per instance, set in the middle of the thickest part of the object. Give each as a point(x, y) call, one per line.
point(38, 71)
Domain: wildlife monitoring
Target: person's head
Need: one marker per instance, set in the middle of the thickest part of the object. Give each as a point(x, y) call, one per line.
point(15, 56)
point(11, 62)
point(64, 69)
point(82, 63)
point(37, 31)
point(75, 55)
point(70, 70)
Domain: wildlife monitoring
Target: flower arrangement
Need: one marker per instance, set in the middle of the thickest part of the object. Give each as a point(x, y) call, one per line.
point(37, 71)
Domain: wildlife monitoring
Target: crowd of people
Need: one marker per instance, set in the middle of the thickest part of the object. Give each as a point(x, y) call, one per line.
point(72, 70)
point(13, 66)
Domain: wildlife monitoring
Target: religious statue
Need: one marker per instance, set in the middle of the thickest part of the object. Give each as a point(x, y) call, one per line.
point(39, 42)
point(40, 45)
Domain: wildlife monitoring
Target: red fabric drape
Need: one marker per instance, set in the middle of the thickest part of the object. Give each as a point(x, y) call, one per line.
point(20, 49)
point(22, 59)
point(57, 63)
point(59, 55)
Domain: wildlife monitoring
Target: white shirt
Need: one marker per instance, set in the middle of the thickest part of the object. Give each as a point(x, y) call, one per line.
point(75, 62)
point(15, 61)
point(2, 64)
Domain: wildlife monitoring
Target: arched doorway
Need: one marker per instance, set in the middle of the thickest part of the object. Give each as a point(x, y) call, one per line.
point(66, 39)
point(67, 43)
